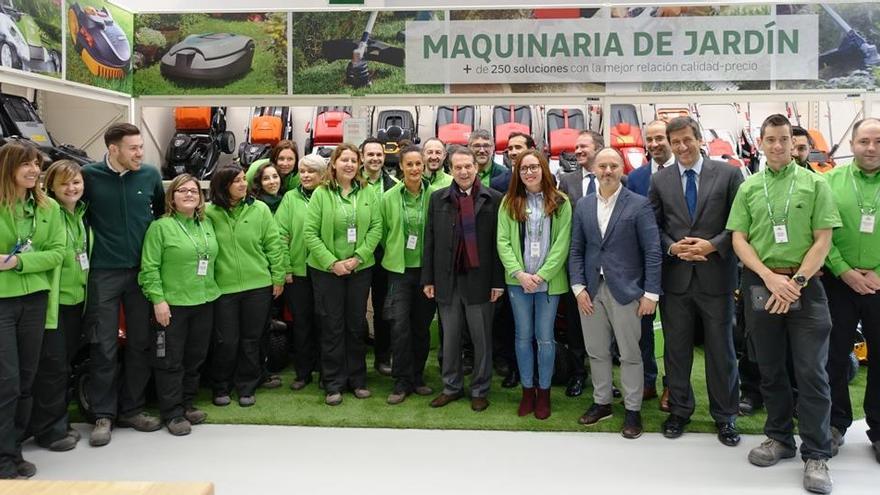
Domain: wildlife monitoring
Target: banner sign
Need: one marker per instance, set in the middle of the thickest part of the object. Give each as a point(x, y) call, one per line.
point(717, 48)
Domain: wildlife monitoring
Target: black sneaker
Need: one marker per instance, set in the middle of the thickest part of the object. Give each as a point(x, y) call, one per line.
point(596, 413)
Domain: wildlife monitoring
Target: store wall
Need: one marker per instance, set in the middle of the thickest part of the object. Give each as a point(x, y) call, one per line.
point(78, 121)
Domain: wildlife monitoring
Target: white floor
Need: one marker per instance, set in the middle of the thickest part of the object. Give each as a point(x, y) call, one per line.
point(261, 460)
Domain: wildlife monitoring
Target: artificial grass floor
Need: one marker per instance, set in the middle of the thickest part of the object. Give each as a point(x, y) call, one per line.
point(306, 407)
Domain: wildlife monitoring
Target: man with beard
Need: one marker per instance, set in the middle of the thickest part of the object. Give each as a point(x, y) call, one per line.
point(434, 156)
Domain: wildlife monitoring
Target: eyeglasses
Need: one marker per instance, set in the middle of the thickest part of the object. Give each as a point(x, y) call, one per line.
point(481, 146)
point(529, 169)
point(194, 192)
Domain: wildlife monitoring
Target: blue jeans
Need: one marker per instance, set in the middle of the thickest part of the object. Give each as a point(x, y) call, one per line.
point(534, 315)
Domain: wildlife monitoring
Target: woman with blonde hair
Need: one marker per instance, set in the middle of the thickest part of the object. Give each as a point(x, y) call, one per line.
point(177, 276)
point(342, 229)
point(534, 233)
point(31, 252)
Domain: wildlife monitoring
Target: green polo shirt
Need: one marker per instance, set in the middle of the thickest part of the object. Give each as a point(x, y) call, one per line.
point(851, 248)
point(811, 208)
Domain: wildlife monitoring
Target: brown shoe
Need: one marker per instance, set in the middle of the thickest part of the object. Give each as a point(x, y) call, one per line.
point(632, 425)
point(479, 404)
point(664, 400)
point(649, 393)
point(423, 390)
point(443, 399)
point(596, 413)
point(396, 398)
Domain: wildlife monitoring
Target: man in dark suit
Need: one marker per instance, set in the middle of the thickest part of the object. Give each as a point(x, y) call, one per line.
point(692, 201)
point(576, 185)
point(639, 181)
point(614, 267)
point(462, 271)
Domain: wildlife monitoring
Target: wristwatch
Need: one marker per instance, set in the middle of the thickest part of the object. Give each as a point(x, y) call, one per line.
point(800, 279)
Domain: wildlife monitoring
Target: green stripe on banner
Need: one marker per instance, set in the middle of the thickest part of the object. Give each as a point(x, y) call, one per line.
point(346, 2)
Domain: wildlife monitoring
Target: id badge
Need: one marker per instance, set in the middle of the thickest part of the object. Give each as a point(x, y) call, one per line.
point(534, 249)
point(866, 226)
point(202, 269)
point(780, 234)
point(411, 241)
point(352, 235)
point(83, 259)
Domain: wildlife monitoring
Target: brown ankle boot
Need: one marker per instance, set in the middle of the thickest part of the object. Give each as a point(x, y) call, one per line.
point(542, 407)
point(527, 403)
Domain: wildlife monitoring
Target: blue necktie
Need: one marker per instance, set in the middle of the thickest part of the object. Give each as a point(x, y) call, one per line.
point(690, 191)
point(591, 187)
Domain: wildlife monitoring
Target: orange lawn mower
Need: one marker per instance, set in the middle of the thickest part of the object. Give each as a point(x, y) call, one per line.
point(101, 43)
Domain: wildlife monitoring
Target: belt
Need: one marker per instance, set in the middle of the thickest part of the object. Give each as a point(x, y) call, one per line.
point(792, 271)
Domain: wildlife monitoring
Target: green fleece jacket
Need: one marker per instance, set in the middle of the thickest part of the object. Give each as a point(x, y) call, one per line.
point(510, 248)
point(288, 183)
point(440, 179)
point(251, 254)
point(121, 208)
point(40, 268)
point(395, 237)
point(291, 218)
point(73, 277)
point(170, 261)
point(321, 233)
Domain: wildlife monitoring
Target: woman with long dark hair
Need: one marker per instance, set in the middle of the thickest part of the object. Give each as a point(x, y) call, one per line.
point(284, 157)
point(266, 186)
point(534, 232)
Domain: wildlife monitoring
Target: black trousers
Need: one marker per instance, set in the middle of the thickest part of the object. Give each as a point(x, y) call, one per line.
point(410, 314)
point(22, 323)
point(187, 338)
point(239, 321)
point(341, 303)
point(503, 336)
point(300, 300)
point(807, 331)
point(108, 289)
point(49, 420)
point(381, 325)
point(681, 314)
point(574, 335)
point(847, 309)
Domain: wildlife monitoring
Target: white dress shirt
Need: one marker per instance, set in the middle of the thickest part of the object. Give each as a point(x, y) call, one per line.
point(697, 168)
point(656, 166)
point(586, 177)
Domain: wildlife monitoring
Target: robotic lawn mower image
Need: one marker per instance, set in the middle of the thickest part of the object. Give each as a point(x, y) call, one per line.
point(209, 58)
point(100, 41)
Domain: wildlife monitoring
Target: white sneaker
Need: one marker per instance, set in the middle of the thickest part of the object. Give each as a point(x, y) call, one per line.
point(817, 477)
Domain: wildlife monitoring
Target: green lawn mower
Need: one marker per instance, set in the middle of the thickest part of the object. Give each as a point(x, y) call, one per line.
point(21, 42)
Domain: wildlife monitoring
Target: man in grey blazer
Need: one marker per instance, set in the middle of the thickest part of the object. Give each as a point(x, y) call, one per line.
point(614, 267)
point(692, 201)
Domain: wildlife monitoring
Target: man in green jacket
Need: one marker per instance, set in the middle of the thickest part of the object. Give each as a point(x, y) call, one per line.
point(123, 198)
point(434, 156)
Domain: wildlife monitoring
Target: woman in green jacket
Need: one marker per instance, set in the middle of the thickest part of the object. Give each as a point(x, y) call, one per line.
point(298, 295)
point(342, 229)
point(249, 272)
point(404, 209)
point(31, 251)
point(49, 422)
point(534, 232)
point(177, 276)
point(266, 186)
point(284, 157)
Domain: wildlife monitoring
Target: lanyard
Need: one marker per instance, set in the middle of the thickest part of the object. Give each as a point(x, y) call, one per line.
point(415, 221)
point(30, 235)
point(862, 207)
point(351, 218)
point(203, 255)
point(787, 200)
point(72, 238)
point(530, 224)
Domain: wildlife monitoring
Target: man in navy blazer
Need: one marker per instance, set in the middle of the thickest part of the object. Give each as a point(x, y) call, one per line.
point(614, 266)
point(639, 182)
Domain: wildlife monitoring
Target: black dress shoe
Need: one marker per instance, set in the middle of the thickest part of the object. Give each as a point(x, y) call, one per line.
point(749, 405)
point(512, 378)
point(575, 386)
point(673, 427)
point(728, 434)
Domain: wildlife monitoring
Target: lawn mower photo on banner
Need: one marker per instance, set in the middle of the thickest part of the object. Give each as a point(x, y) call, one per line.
point(507, 119)
point(209, 59)
point(21, 42)
point(325, 129)
point(198, 141)
point(393, 127)
point(268, 125)
point(19, 122)
point(357, 73)
point(626, 136)
point(453, 124)
point(101, 43)
point(563, 125)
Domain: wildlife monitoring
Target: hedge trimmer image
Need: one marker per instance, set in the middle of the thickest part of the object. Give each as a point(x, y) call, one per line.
point(853, 46)
point(357, 74)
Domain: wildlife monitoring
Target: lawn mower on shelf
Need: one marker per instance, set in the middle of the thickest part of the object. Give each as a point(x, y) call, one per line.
point(199, 139)
point(268, 125)
point(508, 119)
point(101, 43)
point(325, 130)
point(453, 124)
point(723, 146)
point(626, 136)
point(21, 42)
point(357, 73)
point(393, 127)
point(208, 58)
point(19, 122)
point(563, 127)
